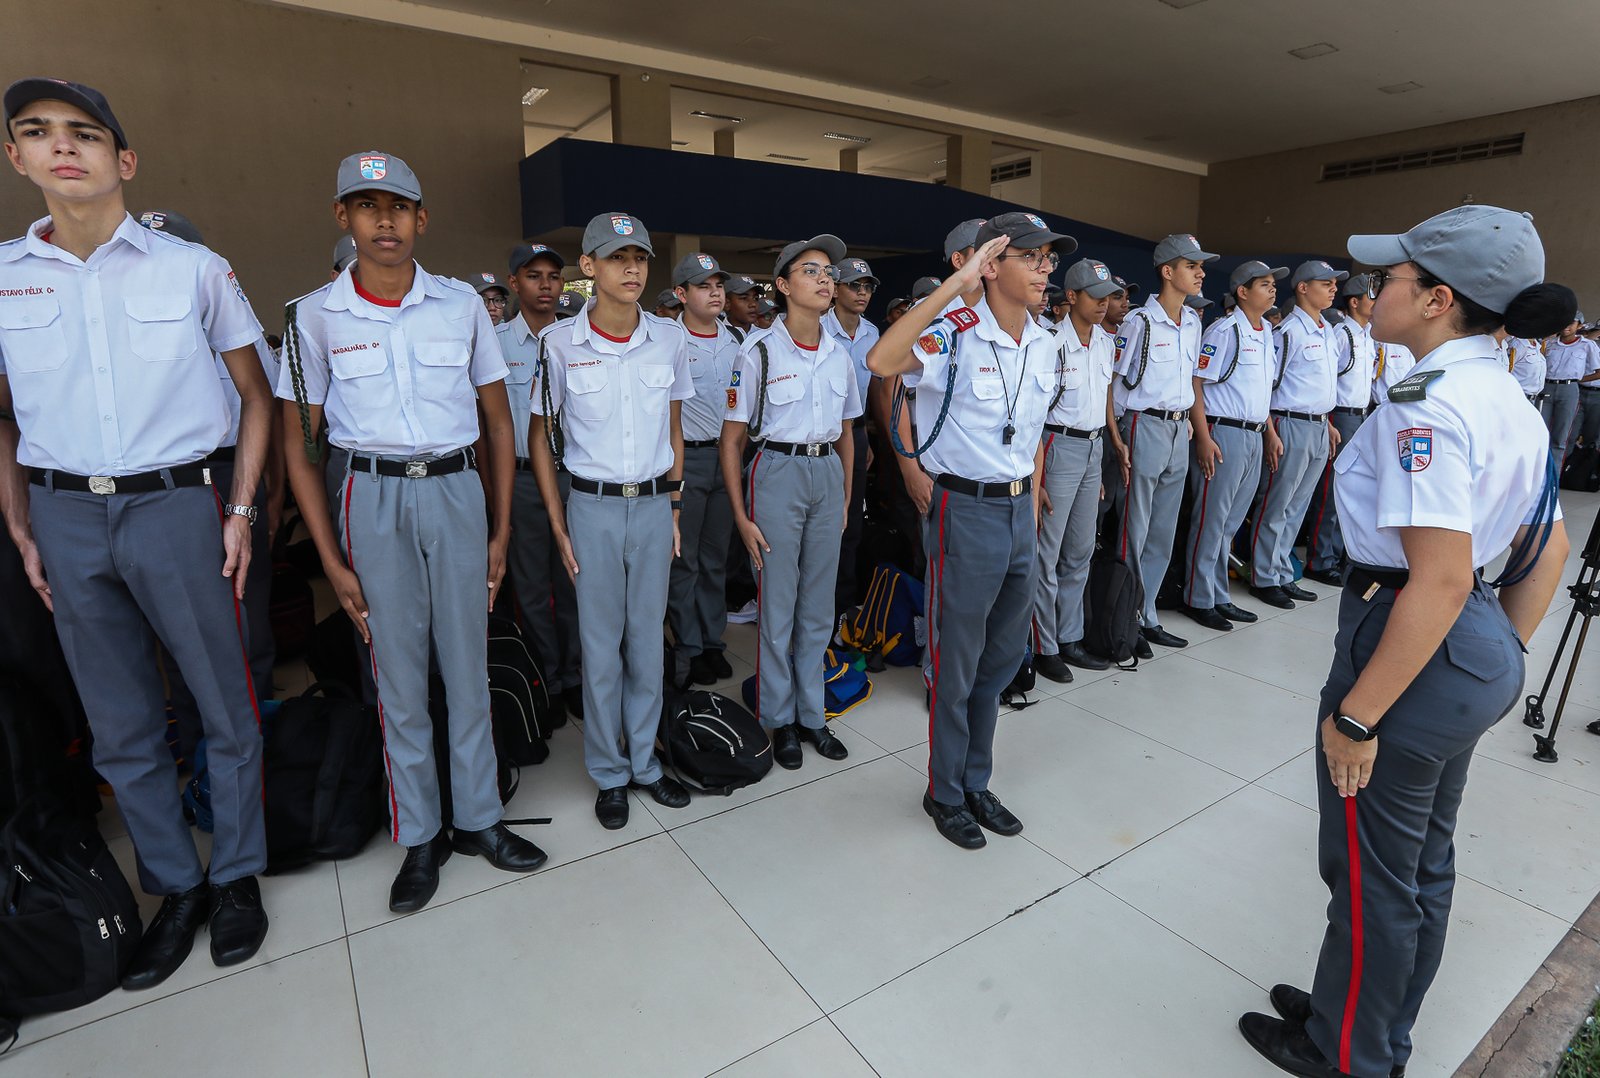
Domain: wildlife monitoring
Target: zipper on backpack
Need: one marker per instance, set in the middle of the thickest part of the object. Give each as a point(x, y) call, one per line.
point(105, 933)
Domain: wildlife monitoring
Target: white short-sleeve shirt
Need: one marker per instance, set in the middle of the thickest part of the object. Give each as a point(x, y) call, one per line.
point(1083, 374)
point(1163, 376)
point(858, 346)
point(269, 365)
point(711, 360)
point(1307, 372)
point(1564, 361)
point(1527, 364)
point(1355, 359)
point(111, 360)
point(810, 392)
point(1237, 364)
point(519, 347)
point(1394, 363)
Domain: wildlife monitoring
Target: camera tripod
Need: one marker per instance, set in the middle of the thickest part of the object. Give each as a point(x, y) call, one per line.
point(1585, 604)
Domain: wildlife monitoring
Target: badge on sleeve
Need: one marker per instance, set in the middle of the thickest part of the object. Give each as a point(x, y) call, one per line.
point(1207, 354)
point(238, 291)
point(932, 344)
point(733, 398)
point(735, 380)
point(1416, 448)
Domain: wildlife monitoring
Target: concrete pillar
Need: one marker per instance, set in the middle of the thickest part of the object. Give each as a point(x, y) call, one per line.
point(641, 109)
point(967, 162)
point(850, 159)
point(722, 144)
point(668, 255)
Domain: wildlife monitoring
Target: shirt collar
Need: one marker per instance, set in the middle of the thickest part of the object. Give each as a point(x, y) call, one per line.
point(342, 293)
point(1460, 349)
point(129, 231)
point(583, 332)
point(1152, 306)
point(1307, 321)
point(988, 328)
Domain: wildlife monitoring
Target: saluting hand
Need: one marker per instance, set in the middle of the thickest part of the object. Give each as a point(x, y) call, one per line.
point(971, 271)
point(1349, 762)
point(347, 588)
point(236, 548)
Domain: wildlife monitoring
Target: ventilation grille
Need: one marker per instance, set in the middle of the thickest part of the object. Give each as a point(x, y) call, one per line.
point(1011, 170)
point(1505, 146)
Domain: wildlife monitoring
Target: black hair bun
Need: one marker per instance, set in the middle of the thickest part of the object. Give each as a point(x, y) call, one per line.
point(1541, 310)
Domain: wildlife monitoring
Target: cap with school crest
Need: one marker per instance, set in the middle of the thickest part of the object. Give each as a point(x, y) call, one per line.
point(1125, 285)
point(24, 92)
point(373, 170)
point(739, 284)
point(1358, 285)
point(1198, 303)
point(488, 282)
point(1025, 230)
point(569, 304)
point(856, 269)
point(696, 267)
point(1316, 269)
point(344, 253)
point(765, 307)
point(925, 286)
point(962, 236)
point(1246, 272)
point(1087, 275)
point(524, 253)
point(668, 298)
point(175, 224)
point(1486, 253)
point(1181, 245)
point(828, 244)
point(607, 233)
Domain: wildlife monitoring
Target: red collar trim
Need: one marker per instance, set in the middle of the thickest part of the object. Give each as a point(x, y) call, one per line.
point(692, 333)
point(370, 298)
point(807, 347)
point(614, 340)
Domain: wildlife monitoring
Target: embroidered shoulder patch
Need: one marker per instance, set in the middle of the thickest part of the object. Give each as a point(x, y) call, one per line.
point(733, 398)
point(1416, 447)
point(932, 344)
point(735, 380)
point(1413, 387)
point(1207, 353)
point(963, 318)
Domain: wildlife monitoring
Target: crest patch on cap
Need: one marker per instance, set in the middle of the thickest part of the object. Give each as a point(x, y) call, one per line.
point(1035, 220)
point(1192, 240)
point(705, 262)
point(1101, 272)
point(858, 265)
point(622, 226)
point(488, 278)
point(374, 168)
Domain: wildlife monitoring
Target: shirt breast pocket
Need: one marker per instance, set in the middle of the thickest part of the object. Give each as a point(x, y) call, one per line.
point(160, 328)
point(357, 359)
point(589, 394)
point(442, 368)
point(655, 387)
point(982, 407)
point(32, 336)
point(784, 390)
point(1072, 377)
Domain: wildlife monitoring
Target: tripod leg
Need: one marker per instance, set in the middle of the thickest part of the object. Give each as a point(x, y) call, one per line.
point(1545, 746)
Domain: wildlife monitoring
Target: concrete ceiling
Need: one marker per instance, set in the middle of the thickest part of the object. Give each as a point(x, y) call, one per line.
point(1206, 80)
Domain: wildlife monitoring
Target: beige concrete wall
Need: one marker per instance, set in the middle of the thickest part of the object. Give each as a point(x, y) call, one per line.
point(1139, 199)
point(241, 111)
point(1279, 203)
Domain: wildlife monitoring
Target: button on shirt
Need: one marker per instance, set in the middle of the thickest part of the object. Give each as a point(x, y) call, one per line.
point(998, 379)
point(1163, 378)
point(269, 364)
point(858, 346)
point(615, 397)
point(1236, 363)
point(711, 361)
point(1470, 457)
point(1307, 374)
point(519, 347)
point(1394, 363)
point(1573, 360)
point(1083, 374)
point(1355, 358)
point(110, 360)
point(1526, 359)
point(396, 381)
point(809, 392)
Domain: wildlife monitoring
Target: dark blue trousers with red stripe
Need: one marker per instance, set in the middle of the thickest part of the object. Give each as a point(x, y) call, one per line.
point(1388, 854)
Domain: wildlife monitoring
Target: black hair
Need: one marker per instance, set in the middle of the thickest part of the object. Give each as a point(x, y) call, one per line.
point(1534, 313)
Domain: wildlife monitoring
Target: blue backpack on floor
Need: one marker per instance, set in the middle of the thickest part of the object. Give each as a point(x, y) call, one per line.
point(844, 685)
point(885, 623)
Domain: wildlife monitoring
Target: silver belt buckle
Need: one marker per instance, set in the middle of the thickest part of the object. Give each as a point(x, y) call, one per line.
point(813, 449)
point(102, 484)
point(1094, 435)
point(1015, 488)
point(630, 490)
point(416, 469)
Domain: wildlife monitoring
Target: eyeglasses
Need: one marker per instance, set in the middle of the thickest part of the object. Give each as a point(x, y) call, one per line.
point(1381, 278)
point(862, 286)
point(1032, 259)
point(813, 271)
point(494, 301)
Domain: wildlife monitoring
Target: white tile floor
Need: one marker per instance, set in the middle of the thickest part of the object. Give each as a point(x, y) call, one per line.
point(815, 924)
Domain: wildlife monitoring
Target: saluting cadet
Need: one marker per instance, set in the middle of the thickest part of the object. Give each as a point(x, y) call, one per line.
point(390, 356)
point(697, 607)
point(743, 300)
point(796, 390)
point(1232, 437)
point(494, 294)
point(544, 591)
point(984, 415)
point(1569, 359)
point(611, 385)
point(847, 326)
point(1304, 390)
point(1070, 497)
point(1156, 355)
point(1356, 359)
point(1526, 359)
point(110, 407)
point(1443, 477)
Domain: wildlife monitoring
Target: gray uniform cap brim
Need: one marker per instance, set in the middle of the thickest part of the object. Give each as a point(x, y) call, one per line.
point(828, 244)
point(1098, 290)
point(1378, 250)
point(852, 278)
point(699, 278)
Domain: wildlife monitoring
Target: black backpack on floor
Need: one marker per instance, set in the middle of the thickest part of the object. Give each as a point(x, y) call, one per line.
point(518, 696)
point(1582, 469)
point(1112, 602)
point(711, 743)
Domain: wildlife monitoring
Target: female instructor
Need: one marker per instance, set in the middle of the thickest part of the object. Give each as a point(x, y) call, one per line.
point(1450, 471)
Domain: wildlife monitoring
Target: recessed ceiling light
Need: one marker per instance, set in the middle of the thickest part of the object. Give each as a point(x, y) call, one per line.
point(941, 162)
point(1311, 52)
point(1401, 88)
point(930, 82)
point(840, 136)
point(534, 94)
point(786, 157)
point(1182, 3)
point(717, 116)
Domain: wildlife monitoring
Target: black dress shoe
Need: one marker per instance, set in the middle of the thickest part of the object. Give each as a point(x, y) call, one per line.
point(991, 814)
point(1331, 577)
point(558, 710)
point(1157, 635)
point(955, 823)
point(500, 847)
point(1141, 649)
point(669, 793)
point(1053, 668)
point(611, 808)
point(1286, 1046)
point(573, 698)
point(1076, 654)
point(827, 745)
point(1294, 1007)
point(1236, 613)
point(418, 877)
point(718, 662)
point(786, 747)
point(238, 921)
point(1273, 596)
point(169, 937)
point(1295, 591)
point(700, 671)
point(1209, 617)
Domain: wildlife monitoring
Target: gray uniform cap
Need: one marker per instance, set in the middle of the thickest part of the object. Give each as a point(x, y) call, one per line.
point(1026, 231)
point(962, 236)
point(668, 298)
point(608, 233)
point(1484, 252)
point(174, 223)
point(374, 170)
point(524, 253)
point(766, 306)
point(830, 245)
point(344, 252)
point(924, 287)
point(855, 269)
point(488, 282)
point(739, 284)
point(697, 267)
point(1181, 245)
point(1198, 303)
point(1251, 271)
point(569, 304)
point(1316, 270)
point(1358, 285)
point(1087, 275)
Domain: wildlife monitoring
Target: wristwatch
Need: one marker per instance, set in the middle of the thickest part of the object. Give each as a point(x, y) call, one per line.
point(1353, 729)
point(249, 512)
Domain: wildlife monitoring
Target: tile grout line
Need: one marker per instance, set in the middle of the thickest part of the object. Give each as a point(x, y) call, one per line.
point(350, 960)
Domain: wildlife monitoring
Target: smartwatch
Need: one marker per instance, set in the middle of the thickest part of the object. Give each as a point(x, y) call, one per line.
point(249, 512)
point(1353, 729)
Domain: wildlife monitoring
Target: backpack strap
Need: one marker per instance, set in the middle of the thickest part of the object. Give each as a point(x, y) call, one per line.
point(297, 378)
point(754, 425)
point(553, 432)
point(1144, 350)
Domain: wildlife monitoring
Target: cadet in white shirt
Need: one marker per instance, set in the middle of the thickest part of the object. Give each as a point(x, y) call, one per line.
point(611, 387)
point(1305, 389)
point(1394, 365)
point(1569, 359)
point(697, 608)
point(1157, 351)
point(110, 407)
point(1074, 444)
point(1526, 359)
point(847, 325)
point(545, 596)
point(1356, 358)
point(1443, 477)
point(796, 391)
point(980, 419)
point(390, 356)
point(1232, 395)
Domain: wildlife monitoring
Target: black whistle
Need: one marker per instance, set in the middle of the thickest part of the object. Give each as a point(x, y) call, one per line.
point(1010, 432)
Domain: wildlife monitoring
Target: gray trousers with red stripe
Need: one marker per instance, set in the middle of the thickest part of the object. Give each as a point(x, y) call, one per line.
point(125, 570)
point(1066, 538)
point(1220, 504)
point(421, 550)
point(981, 581)
point(1388, 854)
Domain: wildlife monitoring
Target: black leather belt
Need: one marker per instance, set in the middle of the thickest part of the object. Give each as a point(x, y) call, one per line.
point(709, 443)
point(223, 454)
point(1242, 424)
point(1074, 432)
point(986, 490)
point(1345, 409)
point(1172, 414)
point(458, 461)
point(799, 449)
point(649, 488)
point(1559, 381)
point(196, 474)
point(1362, 578)
point(1310, 417)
